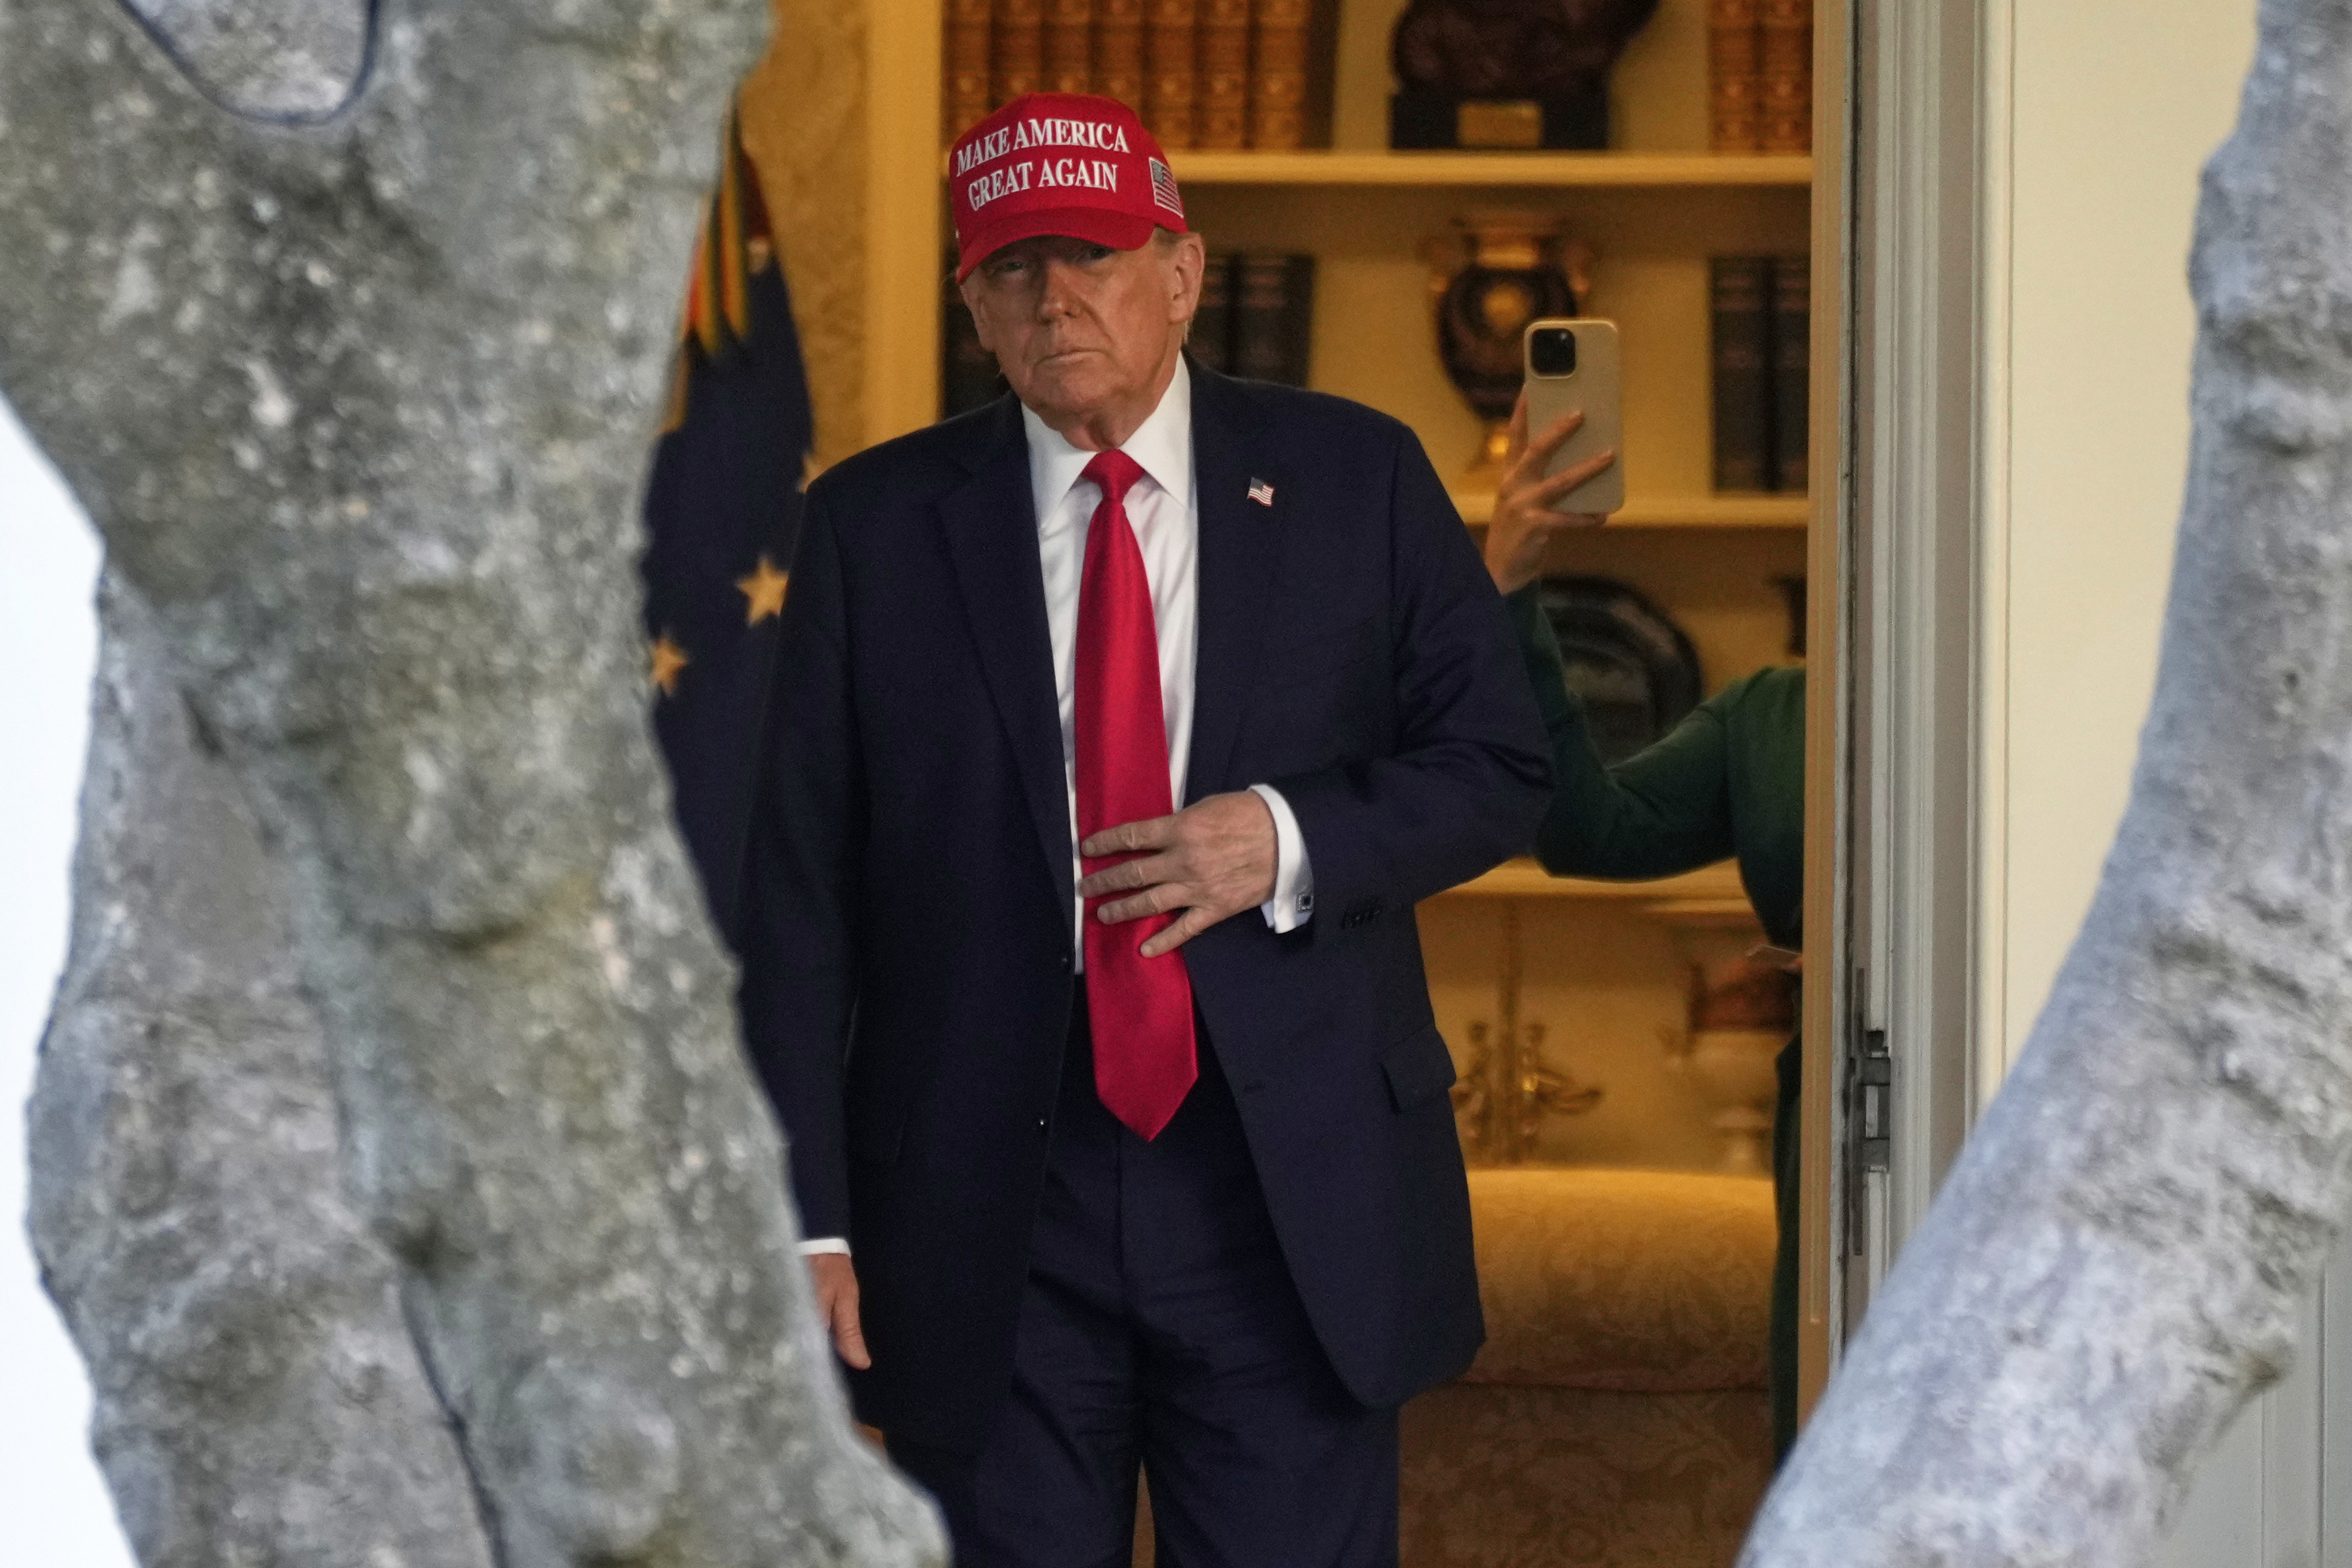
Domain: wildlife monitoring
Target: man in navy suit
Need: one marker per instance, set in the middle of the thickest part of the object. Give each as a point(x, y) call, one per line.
point(1122, 1130)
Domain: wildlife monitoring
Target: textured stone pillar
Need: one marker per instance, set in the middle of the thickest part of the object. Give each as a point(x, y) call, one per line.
point(347, 323)
point(258, 1397)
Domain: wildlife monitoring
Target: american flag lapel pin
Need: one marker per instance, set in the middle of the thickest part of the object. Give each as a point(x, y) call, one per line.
point(1261, 492)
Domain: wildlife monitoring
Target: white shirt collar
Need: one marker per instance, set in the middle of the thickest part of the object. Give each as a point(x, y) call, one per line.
point(1161, 447)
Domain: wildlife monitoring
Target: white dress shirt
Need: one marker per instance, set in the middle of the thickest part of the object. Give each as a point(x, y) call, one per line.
point(1166, 516)
point(1165, 512)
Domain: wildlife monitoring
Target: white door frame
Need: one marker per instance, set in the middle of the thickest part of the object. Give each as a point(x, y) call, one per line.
point(1921, 869)
point(1912, 579)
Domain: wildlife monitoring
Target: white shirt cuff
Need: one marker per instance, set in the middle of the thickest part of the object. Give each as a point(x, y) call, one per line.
point(1293, 903)
point(817, 1244)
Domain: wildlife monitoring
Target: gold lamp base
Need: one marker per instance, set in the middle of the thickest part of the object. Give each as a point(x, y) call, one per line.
point(1485, 471)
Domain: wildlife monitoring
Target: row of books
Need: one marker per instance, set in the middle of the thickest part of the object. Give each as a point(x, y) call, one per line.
point(1202, 73)
point(1762, 331)
point(1254, 319)
point(1257, 317)
point(1760, 76)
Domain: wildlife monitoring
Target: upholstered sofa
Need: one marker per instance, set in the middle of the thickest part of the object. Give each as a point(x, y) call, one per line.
point(1616, 1417)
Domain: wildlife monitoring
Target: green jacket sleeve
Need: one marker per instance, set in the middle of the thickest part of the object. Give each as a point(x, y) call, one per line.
point(1663, 812)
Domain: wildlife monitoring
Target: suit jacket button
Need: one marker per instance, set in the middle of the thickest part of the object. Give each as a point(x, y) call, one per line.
point(1045, 1125)
point(1065, 962)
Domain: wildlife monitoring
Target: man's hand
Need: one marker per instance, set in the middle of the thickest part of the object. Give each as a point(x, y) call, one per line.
point(837, 1304)
point(1524, 523)
point(1214, 859)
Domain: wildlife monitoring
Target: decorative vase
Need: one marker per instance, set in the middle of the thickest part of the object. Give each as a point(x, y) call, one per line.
point(1733, 1068)
point(1742, 1013)
point(1499, 271)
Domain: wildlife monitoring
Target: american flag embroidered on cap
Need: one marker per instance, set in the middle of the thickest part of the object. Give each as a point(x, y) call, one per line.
point(1261, 492)
point(1163, 188)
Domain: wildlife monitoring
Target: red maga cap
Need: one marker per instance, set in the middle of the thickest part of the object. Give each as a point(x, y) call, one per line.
point(1059, 163)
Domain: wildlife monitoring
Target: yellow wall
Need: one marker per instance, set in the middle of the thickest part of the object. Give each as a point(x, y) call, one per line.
point(803, 127)
point(2115, 107)
point(844, 103)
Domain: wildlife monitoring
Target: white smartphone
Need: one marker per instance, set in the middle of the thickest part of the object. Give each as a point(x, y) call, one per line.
point(1572, 364)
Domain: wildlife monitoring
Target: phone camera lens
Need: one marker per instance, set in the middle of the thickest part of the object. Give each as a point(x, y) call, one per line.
point(1552, 352)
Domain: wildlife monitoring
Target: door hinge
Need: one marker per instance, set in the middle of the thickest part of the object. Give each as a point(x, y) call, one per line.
point(1869, 1114)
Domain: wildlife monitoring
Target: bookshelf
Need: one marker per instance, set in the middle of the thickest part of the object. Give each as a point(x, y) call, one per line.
point(1714, 887)
point(1373, 339)
point(1694, 511)
point(1343, 167)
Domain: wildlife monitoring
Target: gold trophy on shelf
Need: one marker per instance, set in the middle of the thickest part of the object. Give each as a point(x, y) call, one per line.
point(1496, 271)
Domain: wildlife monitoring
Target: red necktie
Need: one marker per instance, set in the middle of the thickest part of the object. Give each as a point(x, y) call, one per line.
point(1140, 1008)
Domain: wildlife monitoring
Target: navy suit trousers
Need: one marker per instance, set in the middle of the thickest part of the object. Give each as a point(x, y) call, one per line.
point(1159, 1329)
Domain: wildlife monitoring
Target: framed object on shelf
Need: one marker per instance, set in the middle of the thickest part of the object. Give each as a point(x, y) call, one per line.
point(1631, 666)
point(1507, 73)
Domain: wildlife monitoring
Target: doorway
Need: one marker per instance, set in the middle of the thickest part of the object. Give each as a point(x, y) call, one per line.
point(1608, 1117)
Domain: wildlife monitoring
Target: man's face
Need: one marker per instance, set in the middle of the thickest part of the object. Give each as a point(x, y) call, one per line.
point(1082, 330)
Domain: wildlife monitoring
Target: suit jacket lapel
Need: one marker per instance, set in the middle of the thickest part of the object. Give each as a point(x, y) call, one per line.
point(1240, 553)
point(991, 522)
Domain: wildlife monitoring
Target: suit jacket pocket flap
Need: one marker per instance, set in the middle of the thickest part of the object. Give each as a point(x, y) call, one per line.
point(1419, 1068)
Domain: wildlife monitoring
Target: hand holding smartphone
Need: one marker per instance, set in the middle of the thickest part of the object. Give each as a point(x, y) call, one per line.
point(1572, 366)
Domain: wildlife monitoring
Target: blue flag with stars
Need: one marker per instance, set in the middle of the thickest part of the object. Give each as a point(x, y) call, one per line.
point(722, 515)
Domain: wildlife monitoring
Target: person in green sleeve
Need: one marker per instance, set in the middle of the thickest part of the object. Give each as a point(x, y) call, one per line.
point(1730, 780)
